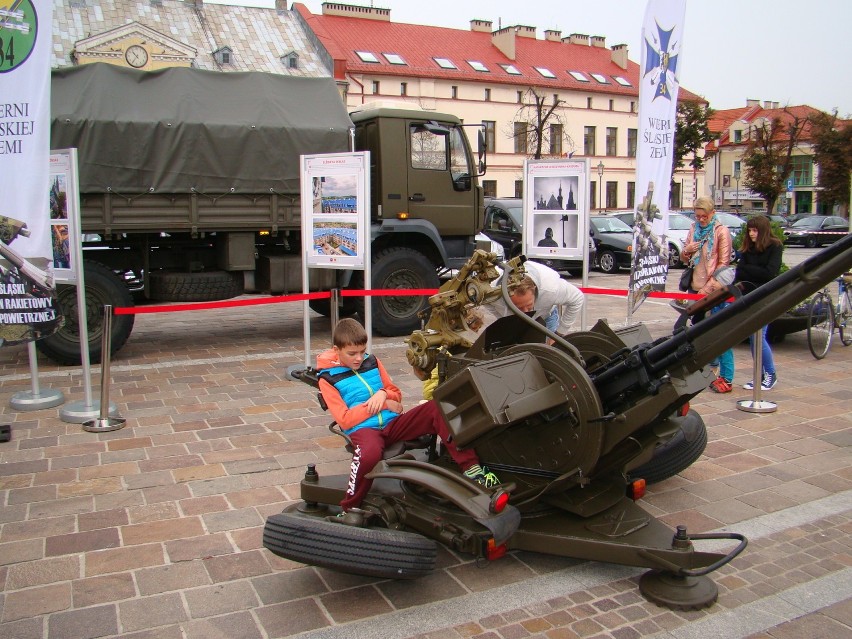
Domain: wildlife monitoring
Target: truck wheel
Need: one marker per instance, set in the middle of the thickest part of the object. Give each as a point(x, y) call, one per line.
point(372, 552)
point(677, 454)
point(206, 286)
point(102, 287)
point(400, 268)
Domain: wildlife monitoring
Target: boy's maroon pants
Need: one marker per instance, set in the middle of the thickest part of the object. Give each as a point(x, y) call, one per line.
point(369, 443)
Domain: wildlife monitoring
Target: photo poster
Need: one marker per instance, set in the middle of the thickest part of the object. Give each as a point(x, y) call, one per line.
point(29, 308)
point(335, 209)
point(64, 214)
point(556, 209)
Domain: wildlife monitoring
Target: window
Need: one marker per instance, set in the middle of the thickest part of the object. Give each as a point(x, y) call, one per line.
point(444, 63)
point(366, 56)
point(555, 98)
point(612, 105)
point(612, 195)
point(589, 102)
point(489, 188)
point(738, 136)
point(490, 135)
point(488, 95)
point(632, 138)
point(375, 87)
point(478, 66)
point(589, 141)
point(632, 106)
point(600, 78)
point(403, 88)
point(428, 150)
point(519, 188)
point(803, 170)
point(454, 92)
point(631, 195)
point(675, 196)
point(545, 72)
point(737, 169)
point(290, 60)
point(511, 69)
point(555, 139)
point(593, 195)
point(621, 81)
point(394, 58)
point(520, 97)
point(611, 141)
point(579, 77)
point(520, 135)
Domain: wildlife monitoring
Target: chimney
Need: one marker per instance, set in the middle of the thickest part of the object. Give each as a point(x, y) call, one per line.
point(751, 102)
point(774, 105)
point(599, 41)
point(552, 35)
point(767, 104)
point(525, 32)
point(353, 11)
point(504, 40)
point(619, 55)
point(578, 38)
point(281, 6)
point(480, 25)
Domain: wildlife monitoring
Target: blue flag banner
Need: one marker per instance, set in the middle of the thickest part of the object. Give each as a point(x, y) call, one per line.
point(662, 40)
point(28, 305)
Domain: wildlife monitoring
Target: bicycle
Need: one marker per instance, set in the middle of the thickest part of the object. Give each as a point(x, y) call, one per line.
point(824, 316)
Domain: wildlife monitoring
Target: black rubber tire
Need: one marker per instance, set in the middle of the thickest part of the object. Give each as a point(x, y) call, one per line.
point(677, 454)
point(372, 552)
point(607, 262)
point(820, 325)
point(811, 242)
point(674, 258)
point(102, 287)
point(403, 268)
point(206, 286)
point(844, 321)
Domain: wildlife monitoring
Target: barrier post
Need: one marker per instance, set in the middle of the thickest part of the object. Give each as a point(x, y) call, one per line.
point(756, 405)
point(104, 423)
point(36, 398)
point(335, 308)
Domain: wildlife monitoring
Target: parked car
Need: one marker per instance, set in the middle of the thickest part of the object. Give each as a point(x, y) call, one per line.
point(679, 226)
point(815, 230)
point(613, 243)
point(780, 219)
point(504, 223)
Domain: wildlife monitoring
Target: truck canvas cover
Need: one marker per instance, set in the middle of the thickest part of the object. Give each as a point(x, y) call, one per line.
point(179, 129)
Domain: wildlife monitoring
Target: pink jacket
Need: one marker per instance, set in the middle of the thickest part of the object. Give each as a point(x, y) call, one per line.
point(721, 255)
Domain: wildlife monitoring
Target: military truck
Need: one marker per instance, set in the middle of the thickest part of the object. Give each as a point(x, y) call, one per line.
point(190, 191)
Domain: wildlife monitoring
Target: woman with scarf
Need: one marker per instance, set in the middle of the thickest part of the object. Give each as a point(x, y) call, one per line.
point(707, 248)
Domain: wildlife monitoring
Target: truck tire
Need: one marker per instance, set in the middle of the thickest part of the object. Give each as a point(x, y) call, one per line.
point(102, 287)
point(677, 454)
point(404, 268)
point(372, 552)
point(206, 286)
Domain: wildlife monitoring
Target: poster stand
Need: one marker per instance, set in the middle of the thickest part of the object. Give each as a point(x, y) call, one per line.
point(36, 398)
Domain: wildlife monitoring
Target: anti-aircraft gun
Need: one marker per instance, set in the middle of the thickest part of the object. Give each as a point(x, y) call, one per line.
point(565, 426)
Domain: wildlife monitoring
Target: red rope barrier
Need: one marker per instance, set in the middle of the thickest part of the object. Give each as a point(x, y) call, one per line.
point(322, 295)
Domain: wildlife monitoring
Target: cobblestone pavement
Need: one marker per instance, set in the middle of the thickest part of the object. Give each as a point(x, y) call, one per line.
point(154, 530)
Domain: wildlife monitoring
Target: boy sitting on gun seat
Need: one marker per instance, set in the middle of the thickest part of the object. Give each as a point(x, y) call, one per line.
point(367, 406)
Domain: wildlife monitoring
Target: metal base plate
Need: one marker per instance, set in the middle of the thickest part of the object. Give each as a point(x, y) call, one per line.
point(752, 406)
point(104, 425)
point(679, 593)
point(26, 400)
point(78, 412)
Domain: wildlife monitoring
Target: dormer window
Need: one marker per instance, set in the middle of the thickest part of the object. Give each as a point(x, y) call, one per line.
point(290, 60)
point(223, 56)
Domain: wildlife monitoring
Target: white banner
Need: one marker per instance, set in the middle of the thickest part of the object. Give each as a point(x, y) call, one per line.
point(662, 36)
point(28, 306)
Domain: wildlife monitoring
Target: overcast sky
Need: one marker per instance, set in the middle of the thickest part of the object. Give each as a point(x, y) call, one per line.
point(786, 51)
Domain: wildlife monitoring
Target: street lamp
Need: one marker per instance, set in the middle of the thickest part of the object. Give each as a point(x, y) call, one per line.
point(737, 178)
point(600, 184)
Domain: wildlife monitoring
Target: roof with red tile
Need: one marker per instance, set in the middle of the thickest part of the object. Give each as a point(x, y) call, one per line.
point(418, 45)
point(722, 120)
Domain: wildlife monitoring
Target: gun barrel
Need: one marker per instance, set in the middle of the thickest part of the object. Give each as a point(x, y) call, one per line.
point(717, 333)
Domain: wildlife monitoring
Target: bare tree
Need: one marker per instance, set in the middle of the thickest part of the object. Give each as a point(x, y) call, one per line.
point(539, 129)
point(768, 155)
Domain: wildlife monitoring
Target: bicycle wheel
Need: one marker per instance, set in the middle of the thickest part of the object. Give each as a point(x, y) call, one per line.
point(844, 318)
point(820, 325)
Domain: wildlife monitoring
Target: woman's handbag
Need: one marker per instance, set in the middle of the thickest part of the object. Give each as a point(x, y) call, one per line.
point(686, 279)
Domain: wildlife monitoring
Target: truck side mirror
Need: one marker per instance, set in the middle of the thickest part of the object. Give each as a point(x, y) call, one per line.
point(481, 150)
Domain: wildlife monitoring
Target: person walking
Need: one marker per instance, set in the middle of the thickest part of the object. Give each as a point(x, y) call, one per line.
point(760, 262)
point(707, 249)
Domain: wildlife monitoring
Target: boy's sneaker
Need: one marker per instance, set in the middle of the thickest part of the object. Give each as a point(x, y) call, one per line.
point(721, 385)
point(769, 381)
point(482, 476)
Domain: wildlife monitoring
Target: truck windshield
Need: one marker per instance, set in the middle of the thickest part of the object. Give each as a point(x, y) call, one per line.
point(459, 159)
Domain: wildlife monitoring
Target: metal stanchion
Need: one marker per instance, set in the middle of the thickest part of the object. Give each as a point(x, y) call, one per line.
point(104, 423)
point(36, 398)
point(756, 405)
point(335, 307)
